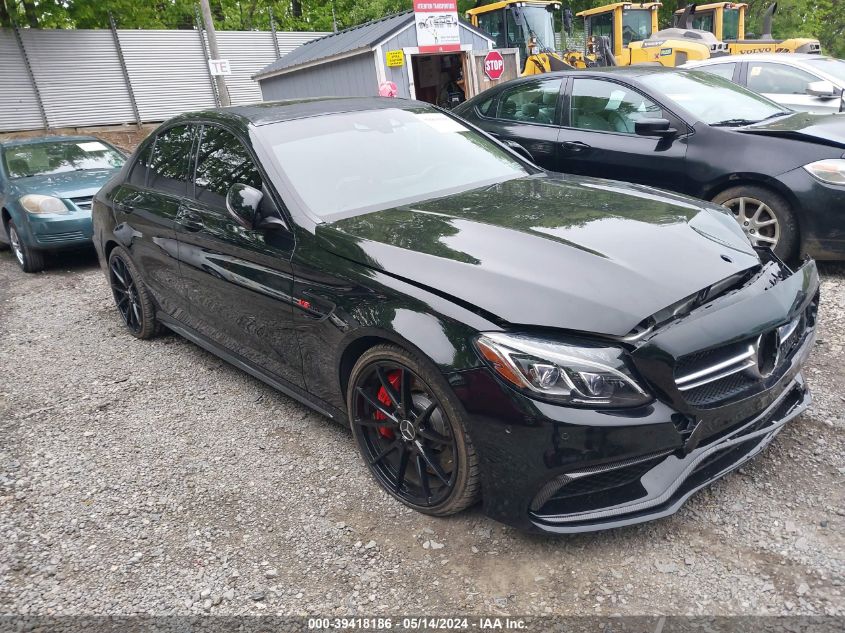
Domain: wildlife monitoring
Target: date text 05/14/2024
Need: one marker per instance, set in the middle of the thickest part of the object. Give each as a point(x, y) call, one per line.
point(416, 623)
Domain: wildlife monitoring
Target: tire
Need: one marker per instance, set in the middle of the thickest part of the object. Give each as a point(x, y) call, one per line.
point(745, 203)
point(441, 475)
point(131, 296)
point(30, 260)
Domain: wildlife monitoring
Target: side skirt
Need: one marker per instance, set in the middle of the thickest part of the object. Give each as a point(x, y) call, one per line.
point(244, 365)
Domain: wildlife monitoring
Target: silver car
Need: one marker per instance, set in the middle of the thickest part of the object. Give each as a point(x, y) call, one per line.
point(809, 83)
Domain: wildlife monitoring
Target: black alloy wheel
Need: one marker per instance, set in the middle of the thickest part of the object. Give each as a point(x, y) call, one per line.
point(409, 433)
point(131, 296)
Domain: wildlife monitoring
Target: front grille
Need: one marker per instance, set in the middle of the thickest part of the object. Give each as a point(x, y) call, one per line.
point(716, 375)
point(52, 238)
point(719, 390)
point(83, 203)
point(712, 377)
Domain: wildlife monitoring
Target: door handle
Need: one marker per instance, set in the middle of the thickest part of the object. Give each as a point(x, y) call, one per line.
point(190, 220)
point(575, 146)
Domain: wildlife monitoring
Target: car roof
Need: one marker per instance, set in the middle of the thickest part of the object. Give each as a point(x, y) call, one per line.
point(758, 57)
point(14, 142)
point(630, 72)
point(268, 112)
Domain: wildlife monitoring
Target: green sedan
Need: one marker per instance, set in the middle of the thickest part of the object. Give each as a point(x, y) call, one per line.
point(46, 187)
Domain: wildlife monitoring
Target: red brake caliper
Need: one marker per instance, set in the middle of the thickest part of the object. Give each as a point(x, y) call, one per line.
point(393, 378)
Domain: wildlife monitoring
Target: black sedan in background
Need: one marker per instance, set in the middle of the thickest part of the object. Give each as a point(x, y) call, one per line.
point(578, 353)
point(781, 173)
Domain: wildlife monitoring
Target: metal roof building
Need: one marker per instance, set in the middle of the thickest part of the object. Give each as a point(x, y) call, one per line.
point(357, 60)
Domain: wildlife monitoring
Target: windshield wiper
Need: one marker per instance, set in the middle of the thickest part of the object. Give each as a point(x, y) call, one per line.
point(739, 122)
point(776, 114)
point(733, 122)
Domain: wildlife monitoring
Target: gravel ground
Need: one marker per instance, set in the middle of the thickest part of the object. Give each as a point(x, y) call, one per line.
point(152, 478)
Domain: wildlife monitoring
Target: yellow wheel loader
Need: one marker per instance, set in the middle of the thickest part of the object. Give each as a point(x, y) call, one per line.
point(524, 24)
point(618, 34)
point(726, 21)
point(634, 37)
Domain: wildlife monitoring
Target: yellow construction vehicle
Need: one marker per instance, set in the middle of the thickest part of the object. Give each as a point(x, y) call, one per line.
point(635, 39)
point(726, 21)
point(524, 24)
point(622, 34)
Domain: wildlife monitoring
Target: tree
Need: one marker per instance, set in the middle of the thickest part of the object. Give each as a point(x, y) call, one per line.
point(795, 18)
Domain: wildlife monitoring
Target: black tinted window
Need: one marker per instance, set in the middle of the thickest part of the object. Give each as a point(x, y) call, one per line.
point(485, 108)
point(171, 156)
point(222, 161)
point(138, 175)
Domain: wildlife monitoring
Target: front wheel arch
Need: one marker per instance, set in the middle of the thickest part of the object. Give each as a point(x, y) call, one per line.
point(5, 216)
point(780, 207)
point(364, 340)
point(757, 180)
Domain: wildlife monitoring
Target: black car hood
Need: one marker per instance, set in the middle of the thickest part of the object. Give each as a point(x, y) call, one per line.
point(827, 129)
point(588, 255)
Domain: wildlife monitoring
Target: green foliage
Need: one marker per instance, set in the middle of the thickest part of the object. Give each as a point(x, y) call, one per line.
point(313, 15)
point(795, 18)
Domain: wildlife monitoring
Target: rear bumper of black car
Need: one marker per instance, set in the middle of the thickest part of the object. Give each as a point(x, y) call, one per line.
point(555, 469)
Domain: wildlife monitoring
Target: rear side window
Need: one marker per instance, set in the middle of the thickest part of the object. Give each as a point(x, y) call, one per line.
point(222, 161)
point(138, 175)
point(532, 102)
point(778, 79)
point(485, 108)
point(168, 169)
point(720, 70)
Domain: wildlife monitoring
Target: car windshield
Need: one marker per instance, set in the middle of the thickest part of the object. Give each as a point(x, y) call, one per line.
point(714, 100)
point(340, 165)
point(56, 157)
point(833, 67)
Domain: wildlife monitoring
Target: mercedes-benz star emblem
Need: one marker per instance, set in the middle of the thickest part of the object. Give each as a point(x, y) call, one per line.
point(770, 348)
point(407, 430)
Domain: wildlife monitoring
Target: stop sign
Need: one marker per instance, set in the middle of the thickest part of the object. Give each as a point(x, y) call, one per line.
point(494, 65)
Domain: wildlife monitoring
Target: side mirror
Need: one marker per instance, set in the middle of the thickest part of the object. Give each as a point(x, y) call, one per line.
point(271, 223)
point(242, 203)
point(654, 127)
point(823, 89)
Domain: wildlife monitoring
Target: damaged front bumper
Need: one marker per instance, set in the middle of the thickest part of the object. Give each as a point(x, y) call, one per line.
point(558, 469)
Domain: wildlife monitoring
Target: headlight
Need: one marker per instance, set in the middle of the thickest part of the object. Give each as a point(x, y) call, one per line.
point(35, 203)
point(831, 170)
point(568, 374)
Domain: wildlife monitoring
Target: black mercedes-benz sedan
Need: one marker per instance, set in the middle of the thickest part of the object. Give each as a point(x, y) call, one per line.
point(780, 172)
point(576, 353)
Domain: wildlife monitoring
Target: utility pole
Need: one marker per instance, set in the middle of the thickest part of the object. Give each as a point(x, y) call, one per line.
point(210, 33)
